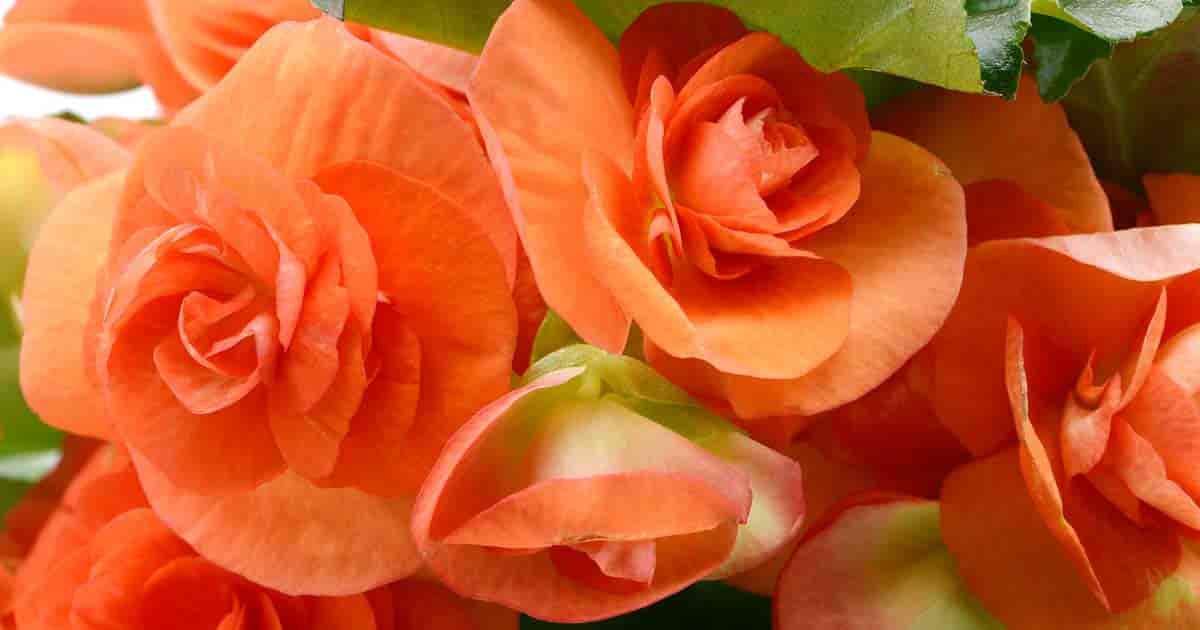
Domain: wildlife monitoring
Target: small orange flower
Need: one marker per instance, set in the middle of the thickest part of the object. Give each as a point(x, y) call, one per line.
point(296, 294)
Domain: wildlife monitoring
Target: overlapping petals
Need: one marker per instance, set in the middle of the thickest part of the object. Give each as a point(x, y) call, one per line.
point(599, 488)
point(105, 559)
point(710, 186)
point(287, 319)
point(1090, 413)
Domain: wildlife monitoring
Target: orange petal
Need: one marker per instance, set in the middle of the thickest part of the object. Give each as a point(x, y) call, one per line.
point(205, 39)
point(996, 534)
point(658, 29)
point(449, 67)
point(1143, 471)
point(62, 275)
point(910, 188)
point(445, 279)
point(70, 153)
point(1125, 271)
point(398, 120)
point(1174, 198)
point(547, 89)
point(781, 319)
point(289, 535)
point(71, 57)
point(1168, 417)
point(418, 603)
point(999, 208)
point(530, 581)
point(1025, 141)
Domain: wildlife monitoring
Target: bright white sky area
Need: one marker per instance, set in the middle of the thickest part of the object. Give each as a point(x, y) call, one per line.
point(22, 99)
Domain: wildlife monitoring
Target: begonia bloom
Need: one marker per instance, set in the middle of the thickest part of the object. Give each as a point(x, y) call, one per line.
point(709, 185)
point(599, 488)
point(283, 309)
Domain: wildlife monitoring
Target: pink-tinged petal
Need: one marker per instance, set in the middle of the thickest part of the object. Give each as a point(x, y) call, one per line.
point(459, 487)
point(206, 38)
point(291, 536)
point(1168, 417)
point(1025, 141)
point(878, 563)
point(63, 270)
point(370, 108)
point(448, 67)
point(1174, 197)
point(910, 210)
point(547, 90)
point(446, 282)
point(1069, 274)
point(1179, 359)
point(1087, 424)
point(778, 509)
point(783, 318)
point(70, 153)
point(1140, 467)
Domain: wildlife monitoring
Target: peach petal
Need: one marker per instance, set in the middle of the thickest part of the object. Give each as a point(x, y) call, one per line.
point(70, 57)
point(289, 535)
point(1143, 471)
point(1168, 417)
point(444, 278)
point(537, 120)
point(1025, 141)
point(305, 131)
point(204, 48)
point(63, 271)
point(445, 66)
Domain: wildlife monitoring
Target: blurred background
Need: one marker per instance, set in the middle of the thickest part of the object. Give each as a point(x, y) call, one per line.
point(20, 99)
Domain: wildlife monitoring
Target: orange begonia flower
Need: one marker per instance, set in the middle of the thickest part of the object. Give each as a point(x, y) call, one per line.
point(1174, 197)
point(708, 184)
point(89, 47)
point(599, 488)
point(283, 309)
point(1069, 366)
point(105, 559)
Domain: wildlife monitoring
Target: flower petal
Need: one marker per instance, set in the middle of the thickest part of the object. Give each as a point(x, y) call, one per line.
point(64, 266)
point(70, 57)
point(1025, 141)
point(999, 209)
point(289, 535)
point(370, 107)
point(1174, 197)
point(547, 89)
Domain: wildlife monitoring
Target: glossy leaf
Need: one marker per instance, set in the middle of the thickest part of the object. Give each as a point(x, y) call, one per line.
point(998, 27)
point(1114, 20)
point(705, 605)
point(924, 40)
point(1139, 111)
point(1063, 53)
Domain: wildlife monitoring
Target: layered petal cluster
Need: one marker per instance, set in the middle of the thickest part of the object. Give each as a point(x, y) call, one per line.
point(599, 488)
point(105, 560)
point(295, 295)
point(709, 185)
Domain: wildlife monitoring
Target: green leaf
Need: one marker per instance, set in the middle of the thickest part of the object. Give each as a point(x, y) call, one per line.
point(704, 605)
point(998, 27)
point(1139, 111)
point(925, 40)
point(1064, 53)
point(1114, 20)
point(554, 333)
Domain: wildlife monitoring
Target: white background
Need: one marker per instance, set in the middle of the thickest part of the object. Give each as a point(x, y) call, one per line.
point(22, 99)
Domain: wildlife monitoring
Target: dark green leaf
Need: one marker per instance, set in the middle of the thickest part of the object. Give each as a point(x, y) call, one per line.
point(1139, 111)
point(925, 40)
point(880, 88)
point(1114, 20)
point(1063, 54)
point(705, 605)
point(998, 27)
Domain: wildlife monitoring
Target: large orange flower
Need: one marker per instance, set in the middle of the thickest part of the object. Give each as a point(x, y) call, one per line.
point(104, 559)
point(286, 306)
point(1069, 366)
point(708, 184)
